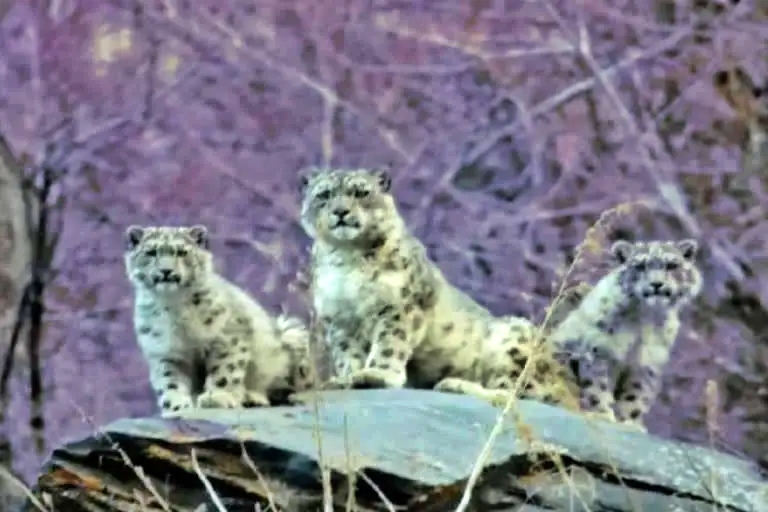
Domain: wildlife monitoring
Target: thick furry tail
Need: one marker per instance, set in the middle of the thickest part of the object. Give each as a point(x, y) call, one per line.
point(295, 338)
point(292, 331)
point(549, 379)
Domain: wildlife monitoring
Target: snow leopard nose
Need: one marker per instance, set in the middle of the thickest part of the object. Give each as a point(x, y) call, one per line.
point(341, 212)
point(656, 285)
point(166, 273)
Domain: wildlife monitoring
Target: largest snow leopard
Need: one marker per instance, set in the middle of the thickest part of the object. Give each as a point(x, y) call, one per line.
point(387, 313)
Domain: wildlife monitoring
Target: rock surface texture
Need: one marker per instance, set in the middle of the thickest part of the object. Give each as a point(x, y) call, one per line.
point(400, 450)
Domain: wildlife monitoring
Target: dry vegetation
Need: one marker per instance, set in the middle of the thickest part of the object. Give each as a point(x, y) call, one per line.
point(521, 134)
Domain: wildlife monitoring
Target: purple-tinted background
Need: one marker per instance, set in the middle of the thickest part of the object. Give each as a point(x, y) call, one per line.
point(504, 149)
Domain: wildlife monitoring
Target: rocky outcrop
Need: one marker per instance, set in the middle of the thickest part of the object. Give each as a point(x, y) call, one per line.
point(398, 450)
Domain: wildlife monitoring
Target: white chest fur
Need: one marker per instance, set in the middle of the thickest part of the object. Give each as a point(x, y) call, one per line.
point(343, 290)
point(195, 325)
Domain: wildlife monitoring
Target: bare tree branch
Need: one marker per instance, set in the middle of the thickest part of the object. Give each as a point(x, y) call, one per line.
point(14, 268)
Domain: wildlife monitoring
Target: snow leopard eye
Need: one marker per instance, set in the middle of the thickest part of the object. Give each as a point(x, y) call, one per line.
point(672, 265)
point(640, 266)
point(151, 253)
point(181, 253)
point(324, 195)
point(361, 193)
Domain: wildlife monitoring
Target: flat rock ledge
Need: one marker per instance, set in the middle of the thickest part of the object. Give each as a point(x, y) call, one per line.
point(406, 450)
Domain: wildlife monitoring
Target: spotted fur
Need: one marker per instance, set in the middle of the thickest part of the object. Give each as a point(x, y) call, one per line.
point(206, 341)
point(618, 340)
point(387, 313)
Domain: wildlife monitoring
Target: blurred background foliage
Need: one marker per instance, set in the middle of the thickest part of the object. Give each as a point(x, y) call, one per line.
point(510, 126)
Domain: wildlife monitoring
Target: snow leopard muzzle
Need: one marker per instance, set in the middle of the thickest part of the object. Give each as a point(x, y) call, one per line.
point(166, 276)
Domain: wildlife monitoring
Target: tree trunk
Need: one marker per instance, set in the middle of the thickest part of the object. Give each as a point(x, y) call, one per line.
point(16, 214)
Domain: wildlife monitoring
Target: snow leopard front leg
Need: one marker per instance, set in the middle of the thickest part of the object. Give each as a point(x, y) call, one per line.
point(595, 367)
point(642, 384)
point(636, 395)
point(226, 364)
point(171, 379)
point(171, 372)
point(393, 333)
point(397, 328)
point(347, 348)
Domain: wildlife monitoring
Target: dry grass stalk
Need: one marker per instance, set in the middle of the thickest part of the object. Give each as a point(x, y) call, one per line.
point(137, 470)
point(387, 503)
point(252, 465)
point(594, 243)
point(7, 476)
point(206, 483)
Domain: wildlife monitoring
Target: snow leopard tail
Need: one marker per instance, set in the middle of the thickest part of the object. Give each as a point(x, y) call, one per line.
point(550, 380)
point(295, 338)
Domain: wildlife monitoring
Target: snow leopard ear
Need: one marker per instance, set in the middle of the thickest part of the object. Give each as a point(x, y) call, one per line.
point(305, 177)
point(384, 178)
point(133, 236)
point(688, 248)
point(199, 234)
point(621, 251)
